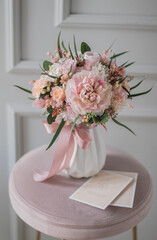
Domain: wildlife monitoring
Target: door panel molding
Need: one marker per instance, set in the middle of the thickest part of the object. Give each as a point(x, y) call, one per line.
point(64, 19)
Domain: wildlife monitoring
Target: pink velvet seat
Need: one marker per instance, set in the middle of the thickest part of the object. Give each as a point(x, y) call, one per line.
point(46, 206)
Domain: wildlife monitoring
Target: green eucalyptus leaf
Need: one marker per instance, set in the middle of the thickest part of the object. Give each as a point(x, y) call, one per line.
point(58, 81)
point(51, 76)
point(31, 98)
point(139, 94)
point(129, 64)
point(122, 79)
point(110, 46)
point(58, 45)
point(57, 133)
point(70, 52)
point(104, 118)
point(123, 64)
point(23, 89)
point(75, 48)
point(117, 55)
point(50, 109)
point(70, 70)
point(50, 119)
point(45, 72)
point(85, 48)
point(126, 90)
point(122, 125)
point(88, 124)
point(135, 86)
point(110, 63)
point(74, 123)
point(63, 105)
point(96, 119)
point(46, 65)
point(64, 47)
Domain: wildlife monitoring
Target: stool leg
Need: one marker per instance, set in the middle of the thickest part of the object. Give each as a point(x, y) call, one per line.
point(134, 233)
point(37, 235)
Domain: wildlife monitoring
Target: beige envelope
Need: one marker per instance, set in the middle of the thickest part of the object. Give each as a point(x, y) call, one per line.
point(100, 190)
point(126, 197)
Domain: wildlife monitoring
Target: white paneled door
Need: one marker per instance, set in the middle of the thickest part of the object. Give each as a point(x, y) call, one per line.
point(28, 29)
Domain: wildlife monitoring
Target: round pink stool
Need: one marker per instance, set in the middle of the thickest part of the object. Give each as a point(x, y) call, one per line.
point(46, 206)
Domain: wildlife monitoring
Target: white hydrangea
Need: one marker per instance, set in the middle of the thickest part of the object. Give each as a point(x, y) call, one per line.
point(55, 70)
point(99, 70)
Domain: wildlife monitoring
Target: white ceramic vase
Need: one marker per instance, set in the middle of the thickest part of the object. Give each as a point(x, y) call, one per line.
point(88, 162)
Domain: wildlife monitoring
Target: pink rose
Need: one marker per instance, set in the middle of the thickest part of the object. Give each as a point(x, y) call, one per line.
point(85, 92)
point(66, 66)
point(91, 58)
point(39, 85)
point(58, 93)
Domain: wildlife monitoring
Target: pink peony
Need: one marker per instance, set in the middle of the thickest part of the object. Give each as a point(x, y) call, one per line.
point(91, 58)
point(85, 92)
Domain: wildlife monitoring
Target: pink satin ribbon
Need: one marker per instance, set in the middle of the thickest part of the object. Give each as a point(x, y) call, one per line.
point(65, 147)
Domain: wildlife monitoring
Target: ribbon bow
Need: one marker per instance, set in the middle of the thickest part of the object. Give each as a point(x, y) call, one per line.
point(64, 149)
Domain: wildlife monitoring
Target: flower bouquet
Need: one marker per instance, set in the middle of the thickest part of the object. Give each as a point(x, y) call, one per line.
point(80, 90)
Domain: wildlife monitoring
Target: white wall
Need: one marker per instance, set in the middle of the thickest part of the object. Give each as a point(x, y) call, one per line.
point(28, 29)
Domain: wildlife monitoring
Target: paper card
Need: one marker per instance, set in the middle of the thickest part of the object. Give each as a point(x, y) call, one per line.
point(100, 190)
point(126, 197)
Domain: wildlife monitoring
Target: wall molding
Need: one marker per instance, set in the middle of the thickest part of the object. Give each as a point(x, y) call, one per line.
point(12, 146)
point(14, 63)
point(27, 67)
point(14, 114)
point(148, 71)
point(12, 26)
point(64, 18)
